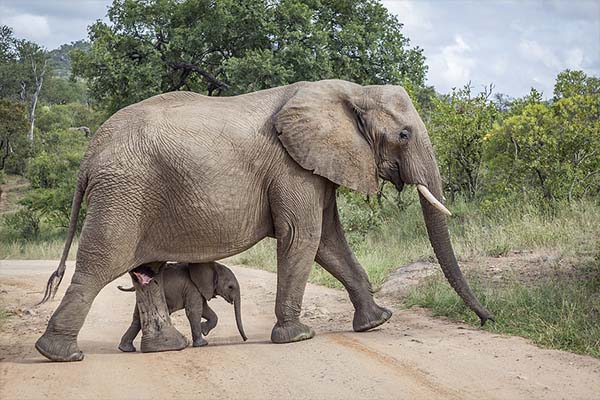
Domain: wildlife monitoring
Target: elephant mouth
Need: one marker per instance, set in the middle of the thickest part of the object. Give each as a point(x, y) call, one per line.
point(397, 180)
point(143, 275)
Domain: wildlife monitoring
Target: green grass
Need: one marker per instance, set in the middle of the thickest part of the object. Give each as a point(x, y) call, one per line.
point(562, 312)
point(35, 250)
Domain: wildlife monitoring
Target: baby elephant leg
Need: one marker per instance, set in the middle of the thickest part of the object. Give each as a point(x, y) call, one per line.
point(210, 316)
point(193, 310)
point(126, 344)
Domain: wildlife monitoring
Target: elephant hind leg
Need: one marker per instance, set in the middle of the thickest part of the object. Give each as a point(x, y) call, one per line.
point(336, 257)
point(100, 259)
point(59, 342)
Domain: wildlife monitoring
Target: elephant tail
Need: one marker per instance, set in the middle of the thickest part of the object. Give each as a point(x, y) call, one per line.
point(56, 277)
point(126, 289)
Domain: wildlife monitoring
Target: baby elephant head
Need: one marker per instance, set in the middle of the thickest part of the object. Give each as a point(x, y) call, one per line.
point(214, 279)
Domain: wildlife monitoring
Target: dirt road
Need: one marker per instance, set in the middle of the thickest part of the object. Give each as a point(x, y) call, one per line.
point(411, 357)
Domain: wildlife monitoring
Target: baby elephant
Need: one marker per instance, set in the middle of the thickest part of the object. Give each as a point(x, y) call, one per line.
point(190, 286)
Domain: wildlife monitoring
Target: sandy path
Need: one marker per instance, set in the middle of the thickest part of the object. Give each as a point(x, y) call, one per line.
point(411, 357)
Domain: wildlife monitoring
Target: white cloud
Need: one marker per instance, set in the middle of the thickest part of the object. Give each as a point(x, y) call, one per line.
point(500, 65)
point(452, 66)
point(29, 26)
point(413, 14)
point(574, 58)
point(534, 51)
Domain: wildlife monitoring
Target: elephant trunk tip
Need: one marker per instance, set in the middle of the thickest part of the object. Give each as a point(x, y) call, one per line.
point(485, 318)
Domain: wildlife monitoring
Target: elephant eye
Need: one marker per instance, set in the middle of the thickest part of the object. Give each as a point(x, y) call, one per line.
point(404, 135)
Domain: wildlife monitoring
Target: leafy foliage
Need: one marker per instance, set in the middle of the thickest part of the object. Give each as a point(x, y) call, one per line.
point(551, 148)
point(458, 125)
point(163, 45)
point(14, 147)
point(53, 175)
point(23, 224)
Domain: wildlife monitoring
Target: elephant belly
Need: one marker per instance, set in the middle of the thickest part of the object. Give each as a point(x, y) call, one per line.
point(208, 226)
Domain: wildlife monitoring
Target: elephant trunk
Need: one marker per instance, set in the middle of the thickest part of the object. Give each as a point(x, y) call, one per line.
point(237, 308)
point(437, 230)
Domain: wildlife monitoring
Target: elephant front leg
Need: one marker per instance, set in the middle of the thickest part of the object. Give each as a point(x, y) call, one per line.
point(336, 257)
point(158, 334)
point(210, 316)
point(297, 232)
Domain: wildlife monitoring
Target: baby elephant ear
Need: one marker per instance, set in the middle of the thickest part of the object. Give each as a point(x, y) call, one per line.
point(203, 276)
point(319, 128)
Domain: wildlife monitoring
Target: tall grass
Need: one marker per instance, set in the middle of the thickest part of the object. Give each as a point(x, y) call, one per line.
point(559, 312)
point(35, 250)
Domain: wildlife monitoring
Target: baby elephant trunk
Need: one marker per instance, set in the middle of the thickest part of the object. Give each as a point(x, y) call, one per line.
point(237, 308)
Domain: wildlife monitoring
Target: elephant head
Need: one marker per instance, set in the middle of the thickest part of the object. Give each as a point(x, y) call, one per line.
point(217, 279)
point(353, 135)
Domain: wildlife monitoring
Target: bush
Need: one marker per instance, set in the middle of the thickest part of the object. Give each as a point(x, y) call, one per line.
point(23, 224)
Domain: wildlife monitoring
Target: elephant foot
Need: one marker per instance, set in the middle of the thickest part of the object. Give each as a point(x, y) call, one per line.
point(291, 332)
point(58, 347)
point(127, 347)
point(370, 318)
point(206, 328)
point(166, 339)
point(200, 342)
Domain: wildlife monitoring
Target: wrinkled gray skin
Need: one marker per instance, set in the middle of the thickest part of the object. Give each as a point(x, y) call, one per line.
point(189, 287)
point(203, 178)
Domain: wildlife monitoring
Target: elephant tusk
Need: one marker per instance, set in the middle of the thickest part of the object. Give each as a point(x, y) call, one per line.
point(431, 198)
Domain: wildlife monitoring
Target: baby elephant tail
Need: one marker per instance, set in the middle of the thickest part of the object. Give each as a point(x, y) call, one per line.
point(126, 289)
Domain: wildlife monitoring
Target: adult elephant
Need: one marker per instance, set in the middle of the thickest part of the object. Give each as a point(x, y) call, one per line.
point(185, 177)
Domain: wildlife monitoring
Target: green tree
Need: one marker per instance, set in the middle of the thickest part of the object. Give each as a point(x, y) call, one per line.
point(230, 47)
point(53, 175)
point(458, 126)
point(23, 67)
point(552, 148)
point(14, 147)
point(575, 83)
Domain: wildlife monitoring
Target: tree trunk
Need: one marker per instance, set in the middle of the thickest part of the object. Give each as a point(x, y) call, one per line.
point(39, 81)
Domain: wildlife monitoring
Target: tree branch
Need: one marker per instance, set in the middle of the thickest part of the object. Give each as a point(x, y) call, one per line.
point(187, 68)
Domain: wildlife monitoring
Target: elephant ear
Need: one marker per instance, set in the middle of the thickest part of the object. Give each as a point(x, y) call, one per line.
point(319, 128)
point(203, 276)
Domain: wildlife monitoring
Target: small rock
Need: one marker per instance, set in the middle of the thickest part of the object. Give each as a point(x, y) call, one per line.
point(29, 312)
point(404, 278)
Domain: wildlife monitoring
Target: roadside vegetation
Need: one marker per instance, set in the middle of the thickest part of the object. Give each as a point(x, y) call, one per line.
point(520, 174)
point(560, 311)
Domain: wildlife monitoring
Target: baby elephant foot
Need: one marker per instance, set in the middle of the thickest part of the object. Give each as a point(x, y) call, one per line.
point(288, 332)
point(370, 318)
point(127, 347)
point(199, 342)
point(58, 347)
point(167, 339)
point(205, 328)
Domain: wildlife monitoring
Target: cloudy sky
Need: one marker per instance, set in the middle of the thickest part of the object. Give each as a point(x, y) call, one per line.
point(514, 44)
